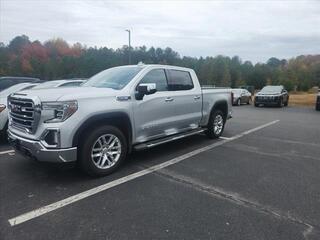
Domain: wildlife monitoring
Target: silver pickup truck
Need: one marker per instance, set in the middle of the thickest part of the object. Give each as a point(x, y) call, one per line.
point(117, 110)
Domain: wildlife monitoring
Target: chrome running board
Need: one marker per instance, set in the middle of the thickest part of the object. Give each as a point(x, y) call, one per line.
point(157, 142)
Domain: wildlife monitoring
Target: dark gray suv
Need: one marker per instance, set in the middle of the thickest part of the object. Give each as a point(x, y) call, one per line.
point(272, 96)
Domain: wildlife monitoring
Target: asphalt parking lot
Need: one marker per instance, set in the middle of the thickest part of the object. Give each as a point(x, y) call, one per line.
point(260, 181)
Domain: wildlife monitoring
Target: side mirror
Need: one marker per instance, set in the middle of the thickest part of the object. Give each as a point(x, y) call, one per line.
point(145, 89)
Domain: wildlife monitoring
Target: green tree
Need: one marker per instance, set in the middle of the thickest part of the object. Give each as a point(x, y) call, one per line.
point(56, 59)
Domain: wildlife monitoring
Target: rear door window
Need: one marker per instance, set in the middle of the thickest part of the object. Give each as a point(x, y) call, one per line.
point(179, 80)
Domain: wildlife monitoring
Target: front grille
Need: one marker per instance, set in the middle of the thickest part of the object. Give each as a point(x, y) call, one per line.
point(22, 114)
point(267, 98)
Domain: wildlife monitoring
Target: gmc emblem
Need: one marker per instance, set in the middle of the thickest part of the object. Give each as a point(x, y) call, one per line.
point(15, 108)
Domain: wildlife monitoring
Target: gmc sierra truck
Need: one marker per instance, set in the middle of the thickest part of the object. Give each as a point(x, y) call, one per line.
point(116, 111)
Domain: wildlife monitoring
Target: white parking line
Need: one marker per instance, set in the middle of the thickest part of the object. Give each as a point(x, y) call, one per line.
point(62, 203)
point(6, 152)
point(226, 138)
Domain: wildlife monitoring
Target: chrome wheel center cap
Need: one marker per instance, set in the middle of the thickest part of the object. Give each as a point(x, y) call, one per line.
point(105, 151)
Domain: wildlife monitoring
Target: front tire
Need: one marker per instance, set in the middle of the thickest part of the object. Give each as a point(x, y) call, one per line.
point(102, 151)
point(3, 134)
point(216, 124)
point(280, 104)
point(286, 103)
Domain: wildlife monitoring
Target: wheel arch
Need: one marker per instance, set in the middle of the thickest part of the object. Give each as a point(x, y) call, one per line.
point(120, 120)
point(221, 105)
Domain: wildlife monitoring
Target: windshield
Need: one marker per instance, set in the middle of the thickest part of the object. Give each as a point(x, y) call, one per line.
point(268, 89)
point(115, 78)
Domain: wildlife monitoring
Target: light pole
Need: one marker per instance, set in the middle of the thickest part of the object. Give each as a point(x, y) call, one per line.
point(127, 30)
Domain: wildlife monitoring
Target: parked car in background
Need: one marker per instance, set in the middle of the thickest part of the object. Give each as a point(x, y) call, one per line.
point(115, 111)
point(6, 82)
point(272, 96)
point(250, 88)
point(3, 104)
point(60, 83)
point(318, 101)
point(241, 96)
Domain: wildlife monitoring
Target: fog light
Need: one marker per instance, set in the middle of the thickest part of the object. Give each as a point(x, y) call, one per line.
point(51, 138)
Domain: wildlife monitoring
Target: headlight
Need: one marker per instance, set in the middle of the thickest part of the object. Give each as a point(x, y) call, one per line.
point(2, 107)
point(61, 110)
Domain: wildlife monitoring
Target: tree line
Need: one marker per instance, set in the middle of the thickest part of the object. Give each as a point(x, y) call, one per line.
point(56, 59)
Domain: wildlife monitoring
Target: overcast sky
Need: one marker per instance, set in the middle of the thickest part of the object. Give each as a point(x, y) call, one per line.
point(253, 30)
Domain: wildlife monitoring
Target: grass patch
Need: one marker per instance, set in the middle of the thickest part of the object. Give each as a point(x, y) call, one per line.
point(302, 99)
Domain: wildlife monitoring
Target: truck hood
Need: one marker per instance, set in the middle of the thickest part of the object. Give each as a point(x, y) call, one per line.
point(69, 93)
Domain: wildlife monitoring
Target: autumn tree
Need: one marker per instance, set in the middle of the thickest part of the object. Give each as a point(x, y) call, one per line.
point(56, 59)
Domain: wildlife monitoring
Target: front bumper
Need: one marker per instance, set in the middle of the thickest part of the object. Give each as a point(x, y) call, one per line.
point(271, 101)
point(35, 149)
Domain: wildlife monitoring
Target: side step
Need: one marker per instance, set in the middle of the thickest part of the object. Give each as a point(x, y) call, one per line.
point(157, 142)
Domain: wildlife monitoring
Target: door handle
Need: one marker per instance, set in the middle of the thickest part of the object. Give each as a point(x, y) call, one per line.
point(196, 97)
point(169, 99)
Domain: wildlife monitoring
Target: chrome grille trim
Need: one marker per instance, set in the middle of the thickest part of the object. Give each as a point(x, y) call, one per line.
point(13, 114)
point(24, 113)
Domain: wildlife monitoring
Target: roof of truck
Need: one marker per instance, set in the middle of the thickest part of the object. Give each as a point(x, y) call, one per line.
point(142, 65)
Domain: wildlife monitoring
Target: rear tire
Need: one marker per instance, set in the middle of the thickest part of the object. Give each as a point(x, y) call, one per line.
point(102, 151)
point(216, 124)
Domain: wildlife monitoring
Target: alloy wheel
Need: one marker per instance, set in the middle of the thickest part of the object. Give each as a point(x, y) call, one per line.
point(106, 151)
point(218, 124)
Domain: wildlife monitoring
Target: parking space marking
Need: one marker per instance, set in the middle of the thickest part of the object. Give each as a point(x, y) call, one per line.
point(236, 198)
point(6, 152)
point(226, 138)
point(290, 141)
point(67, 201)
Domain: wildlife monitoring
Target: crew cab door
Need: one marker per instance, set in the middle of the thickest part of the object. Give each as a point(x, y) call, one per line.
point(154, 114)
point(187, 99)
